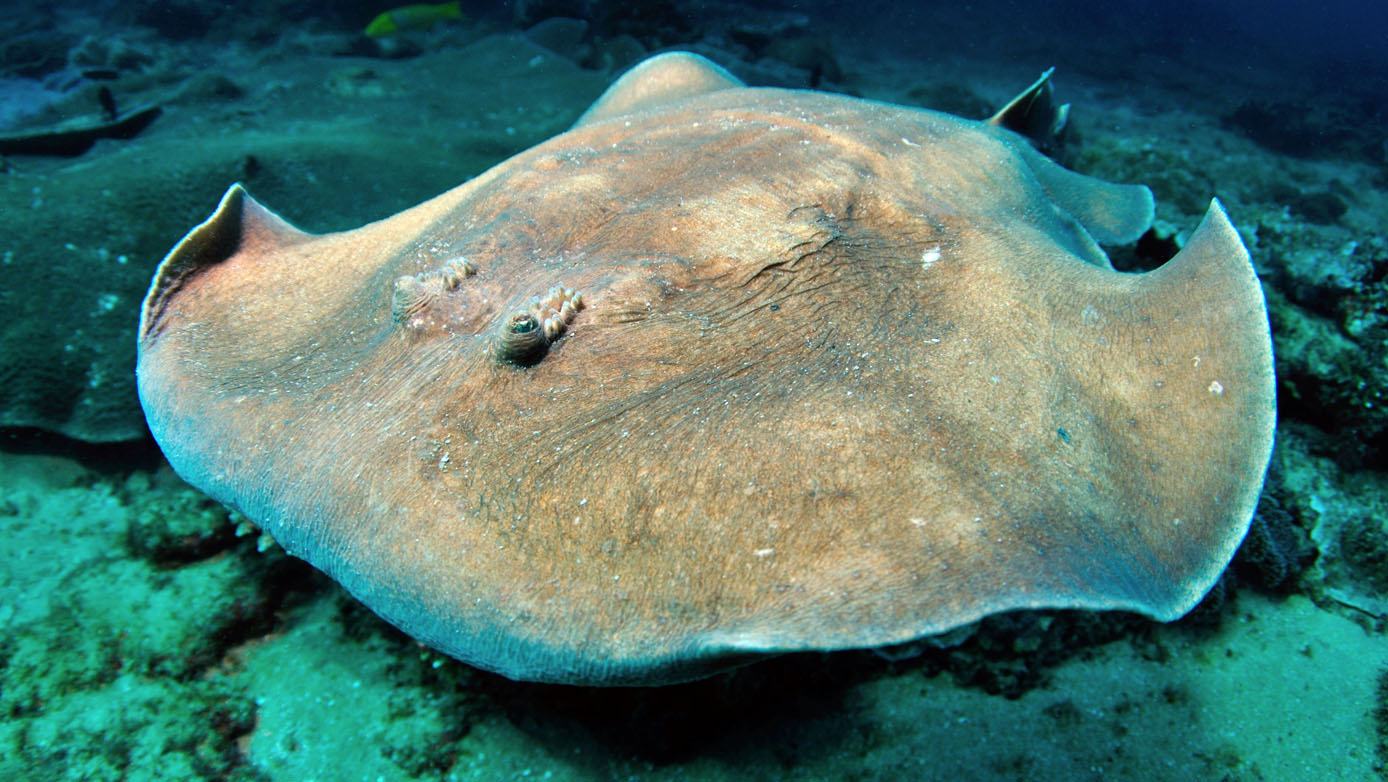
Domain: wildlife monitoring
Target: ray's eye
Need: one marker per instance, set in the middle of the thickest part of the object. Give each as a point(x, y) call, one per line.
point(525, 335)
point(521, 340)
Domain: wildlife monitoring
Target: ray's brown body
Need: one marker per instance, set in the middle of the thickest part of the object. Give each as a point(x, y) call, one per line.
point(838, 374)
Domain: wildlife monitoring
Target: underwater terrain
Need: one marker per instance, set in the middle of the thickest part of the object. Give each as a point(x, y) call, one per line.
point(149, 634)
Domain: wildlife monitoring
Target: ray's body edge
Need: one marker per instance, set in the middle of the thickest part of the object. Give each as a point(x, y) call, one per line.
point(515, 654)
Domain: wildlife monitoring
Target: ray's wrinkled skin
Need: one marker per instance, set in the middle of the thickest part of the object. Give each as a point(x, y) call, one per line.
point(719, 373)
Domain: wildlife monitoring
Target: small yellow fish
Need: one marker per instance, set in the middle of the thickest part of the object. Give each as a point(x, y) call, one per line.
point(412, 17)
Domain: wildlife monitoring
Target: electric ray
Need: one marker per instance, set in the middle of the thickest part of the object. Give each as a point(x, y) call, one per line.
point(724, 372)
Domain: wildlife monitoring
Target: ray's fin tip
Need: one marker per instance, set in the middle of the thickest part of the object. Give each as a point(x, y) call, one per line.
point(656, 81)
point(238, 224)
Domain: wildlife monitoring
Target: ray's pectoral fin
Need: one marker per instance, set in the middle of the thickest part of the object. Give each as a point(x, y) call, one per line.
point(657, 81)
point(1035, 115)
point(1111, 213)
point(1214, 349)
point(240, 224)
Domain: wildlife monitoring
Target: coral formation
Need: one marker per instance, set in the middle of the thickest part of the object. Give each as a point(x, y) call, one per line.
point(1364, 547)
point(1276, 549)
point(99, 681)
point(1331, 346)
point(172, 525)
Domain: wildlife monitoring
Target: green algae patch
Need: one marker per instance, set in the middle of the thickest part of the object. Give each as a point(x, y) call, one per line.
point(328, 706)
point(102, 650)
point(133, 729)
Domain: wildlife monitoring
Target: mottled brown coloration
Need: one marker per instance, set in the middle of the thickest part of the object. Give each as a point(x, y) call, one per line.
point(844, 374)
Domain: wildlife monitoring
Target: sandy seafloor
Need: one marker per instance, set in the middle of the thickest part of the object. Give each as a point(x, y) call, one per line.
point(144, 640)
